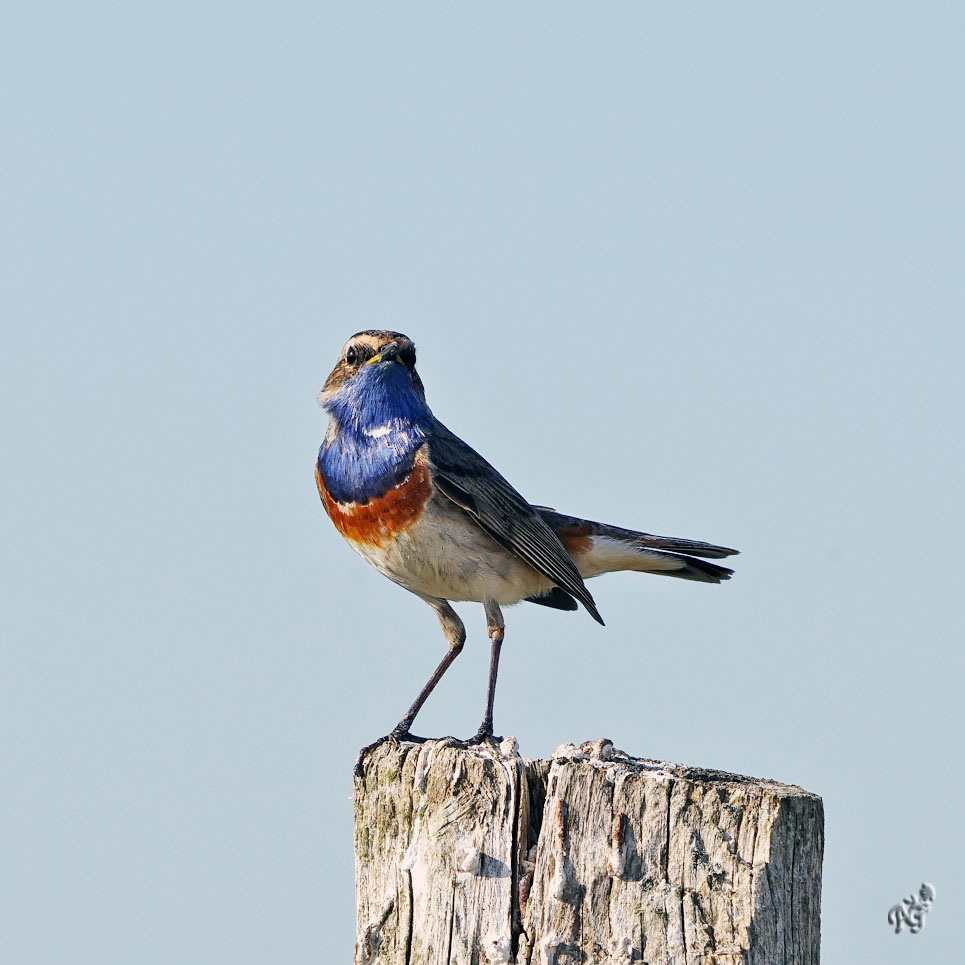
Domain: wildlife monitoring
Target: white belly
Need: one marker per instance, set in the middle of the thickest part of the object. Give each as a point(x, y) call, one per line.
point(445, 555)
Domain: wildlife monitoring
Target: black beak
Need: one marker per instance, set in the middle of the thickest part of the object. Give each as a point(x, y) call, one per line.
point(389, 353)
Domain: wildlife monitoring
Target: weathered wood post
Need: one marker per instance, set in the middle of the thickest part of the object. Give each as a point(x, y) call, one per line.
point(479, 857)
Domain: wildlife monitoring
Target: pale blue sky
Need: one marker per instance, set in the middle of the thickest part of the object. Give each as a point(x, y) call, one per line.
point(691, 268)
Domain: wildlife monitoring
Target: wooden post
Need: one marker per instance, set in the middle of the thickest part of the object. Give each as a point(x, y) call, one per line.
point(479, 857)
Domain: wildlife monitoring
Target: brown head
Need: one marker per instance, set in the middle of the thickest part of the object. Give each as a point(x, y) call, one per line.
point(370, 346)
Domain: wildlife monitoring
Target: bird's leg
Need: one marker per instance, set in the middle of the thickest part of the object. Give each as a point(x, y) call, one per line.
point(455, 633)
point(497, 628)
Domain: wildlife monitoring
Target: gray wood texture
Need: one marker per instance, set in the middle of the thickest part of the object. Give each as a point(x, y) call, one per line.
point(480, 857)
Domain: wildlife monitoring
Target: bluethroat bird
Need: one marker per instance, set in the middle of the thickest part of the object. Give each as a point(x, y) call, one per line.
point(432, 515)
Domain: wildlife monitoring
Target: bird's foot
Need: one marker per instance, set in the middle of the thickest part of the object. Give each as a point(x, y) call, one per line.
point(484, 736)
point(398, 735)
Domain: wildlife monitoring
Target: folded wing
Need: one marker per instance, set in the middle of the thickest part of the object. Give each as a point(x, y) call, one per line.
point(462, 475)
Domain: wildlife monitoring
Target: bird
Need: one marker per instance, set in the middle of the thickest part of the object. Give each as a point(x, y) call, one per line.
point(432, 515)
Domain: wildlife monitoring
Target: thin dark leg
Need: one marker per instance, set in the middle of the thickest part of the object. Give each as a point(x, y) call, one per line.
point(401, 730)
point(496, 634)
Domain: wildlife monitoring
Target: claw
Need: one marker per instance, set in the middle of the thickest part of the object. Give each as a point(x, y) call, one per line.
point(396, 736)
point(484, 736)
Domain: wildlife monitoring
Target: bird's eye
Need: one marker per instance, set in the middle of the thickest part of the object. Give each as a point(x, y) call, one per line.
point(351, 355)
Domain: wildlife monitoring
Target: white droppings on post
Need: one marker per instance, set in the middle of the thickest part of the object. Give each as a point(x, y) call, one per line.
point(568, 751)
point(600, 750)
point(468, 858)
point(558, 883)
point(411, 856)
point(497, 949)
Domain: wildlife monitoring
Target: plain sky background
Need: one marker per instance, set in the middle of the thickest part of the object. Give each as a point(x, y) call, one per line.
point(690, 268)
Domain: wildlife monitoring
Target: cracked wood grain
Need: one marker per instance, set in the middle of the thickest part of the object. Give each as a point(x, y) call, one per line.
point(479, 857)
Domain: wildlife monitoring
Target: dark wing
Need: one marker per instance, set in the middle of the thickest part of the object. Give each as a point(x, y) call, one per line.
point(471, 483)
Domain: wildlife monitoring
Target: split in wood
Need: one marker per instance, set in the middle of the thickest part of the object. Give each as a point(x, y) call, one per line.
point(594, 856)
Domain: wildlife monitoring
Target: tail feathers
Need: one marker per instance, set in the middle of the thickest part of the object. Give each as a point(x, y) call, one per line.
point(683, 567)
point(599, 548)
point(693, 547)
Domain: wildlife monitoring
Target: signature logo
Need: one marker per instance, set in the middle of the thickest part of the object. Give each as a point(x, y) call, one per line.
point(911, 911)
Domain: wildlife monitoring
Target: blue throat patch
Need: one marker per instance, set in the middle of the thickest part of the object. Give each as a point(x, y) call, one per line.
point(380, 424)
